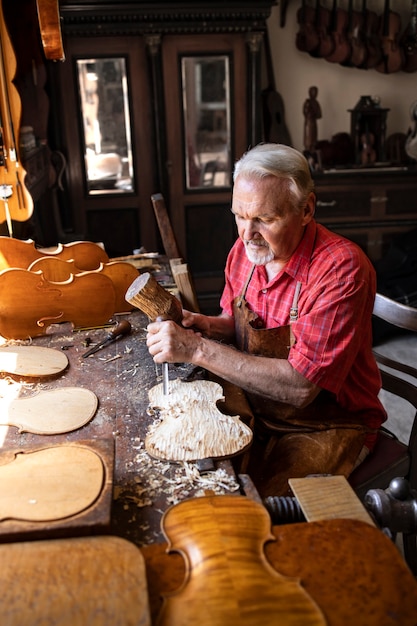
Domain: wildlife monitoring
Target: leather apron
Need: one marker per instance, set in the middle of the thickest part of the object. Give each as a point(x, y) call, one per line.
point(321, 438)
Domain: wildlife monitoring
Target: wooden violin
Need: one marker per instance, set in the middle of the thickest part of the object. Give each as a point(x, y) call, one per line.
point(86, 255)
point(228, 579)
point(409, 41)
point(326, 42)
point(307, 38)
point(338, 31)
point(16, 203)
point(29, 303)
point(50, 27)
point(390, 28)
point(356, 37)
point(372, 40)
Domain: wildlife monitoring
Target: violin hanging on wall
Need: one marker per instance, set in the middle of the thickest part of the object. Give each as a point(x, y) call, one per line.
point(16, 203)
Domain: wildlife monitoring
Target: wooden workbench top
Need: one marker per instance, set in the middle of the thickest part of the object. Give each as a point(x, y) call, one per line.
point(121, 375)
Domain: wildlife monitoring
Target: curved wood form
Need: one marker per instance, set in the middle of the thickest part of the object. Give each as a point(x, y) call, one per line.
point(151, 298)
point(16, 203)
point(50, 484)
point(29, 303)
point(38, 414)
point(50, 27)
point(356, 37)
point(392, 53)
point(373, 45)
point(228, 580)
point(121, 274)
point(30, 361)
point(192, 426)
point(352, 585)
point(409, 41)
point(17, 253)
point(307, 38)
point(338, 30)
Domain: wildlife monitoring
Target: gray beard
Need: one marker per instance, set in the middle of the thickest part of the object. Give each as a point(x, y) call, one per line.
point(261, 256)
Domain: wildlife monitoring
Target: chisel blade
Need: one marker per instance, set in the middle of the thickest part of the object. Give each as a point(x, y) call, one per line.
point(165, 378)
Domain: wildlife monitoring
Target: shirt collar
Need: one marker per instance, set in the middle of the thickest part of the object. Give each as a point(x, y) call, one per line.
point(298, 265)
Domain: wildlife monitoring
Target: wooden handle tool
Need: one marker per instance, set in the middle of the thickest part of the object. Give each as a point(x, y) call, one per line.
point(122, 328)
point(158, 303)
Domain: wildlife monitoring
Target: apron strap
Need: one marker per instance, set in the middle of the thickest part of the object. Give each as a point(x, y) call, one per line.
point(294, 311)
point(240, 299)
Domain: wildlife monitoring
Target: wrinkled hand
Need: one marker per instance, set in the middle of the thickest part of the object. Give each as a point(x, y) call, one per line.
point(168, 342)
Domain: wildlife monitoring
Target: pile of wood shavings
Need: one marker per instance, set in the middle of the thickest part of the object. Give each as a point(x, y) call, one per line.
point(175, 482)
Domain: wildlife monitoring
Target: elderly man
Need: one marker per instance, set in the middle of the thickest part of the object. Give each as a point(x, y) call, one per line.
point(295, 327)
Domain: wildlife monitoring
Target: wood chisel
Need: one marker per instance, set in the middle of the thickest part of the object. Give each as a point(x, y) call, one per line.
point(122, 328)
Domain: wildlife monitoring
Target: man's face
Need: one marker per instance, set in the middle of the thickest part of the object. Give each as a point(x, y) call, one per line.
point(265, 220)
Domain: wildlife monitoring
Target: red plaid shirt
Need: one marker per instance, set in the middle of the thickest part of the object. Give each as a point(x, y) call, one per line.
point(333, 332)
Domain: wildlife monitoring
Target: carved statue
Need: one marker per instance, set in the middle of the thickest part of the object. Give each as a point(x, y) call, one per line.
point(312, 113)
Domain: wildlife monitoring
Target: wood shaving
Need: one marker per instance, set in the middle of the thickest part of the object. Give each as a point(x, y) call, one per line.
point(154, 478)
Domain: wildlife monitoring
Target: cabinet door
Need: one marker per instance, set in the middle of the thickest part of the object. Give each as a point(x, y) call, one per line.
point(105, 112)
point(205, 90)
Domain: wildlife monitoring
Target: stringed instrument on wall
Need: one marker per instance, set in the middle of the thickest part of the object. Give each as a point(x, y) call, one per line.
point(338, 31)
point(306, 39)
point(16, 203)
point(409, 41)
point(356, 37)
point(372, 41)
point(326, 45)
point(392, 56)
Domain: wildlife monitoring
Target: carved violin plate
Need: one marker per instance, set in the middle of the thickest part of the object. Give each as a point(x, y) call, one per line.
point(50, 484)
point(32, 361)
point(29, 303)
point(191, 426)
point(122, 275)
point(40, 414)
point(15, 253)
point(228, 579)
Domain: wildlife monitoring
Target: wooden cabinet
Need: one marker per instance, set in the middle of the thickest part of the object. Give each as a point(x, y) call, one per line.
point(165, 50)
point(368, 206)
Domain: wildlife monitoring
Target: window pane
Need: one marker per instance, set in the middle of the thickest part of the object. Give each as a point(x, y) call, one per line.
point(106, 125)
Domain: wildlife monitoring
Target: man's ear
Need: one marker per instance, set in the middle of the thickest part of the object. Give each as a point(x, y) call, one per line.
point(310, 208)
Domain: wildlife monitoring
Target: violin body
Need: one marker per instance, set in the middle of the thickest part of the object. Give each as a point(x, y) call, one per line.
point(17, 253)
point(121, 274)
point(228, 579)
point(356, 37)
point(306, 39)
point(390, 28)
point(339, 25)
point(372, 41)
point(326, 43)
point(29, 303)
point(16, 203)
point(409, 41)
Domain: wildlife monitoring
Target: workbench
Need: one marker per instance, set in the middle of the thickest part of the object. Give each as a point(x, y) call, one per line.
point(121, 375)
point(350, 585)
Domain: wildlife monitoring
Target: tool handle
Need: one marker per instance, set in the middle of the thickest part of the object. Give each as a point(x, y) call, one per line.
point(122, 328)
point(151, 298)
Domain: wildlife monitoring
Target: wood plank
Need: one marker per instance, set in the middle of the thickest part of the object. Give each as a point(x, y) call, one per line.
point(328, 497)
point(182, 277)
point(94, 581)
